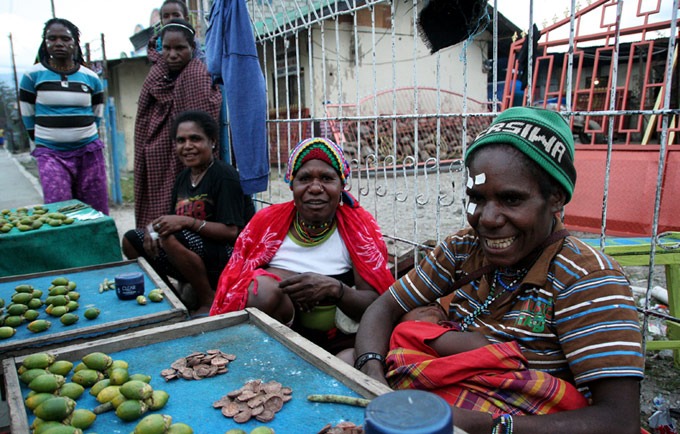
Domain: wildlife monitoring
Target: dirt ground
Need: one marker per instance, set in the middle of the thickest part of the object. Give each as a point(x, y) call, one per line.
point(662, 378)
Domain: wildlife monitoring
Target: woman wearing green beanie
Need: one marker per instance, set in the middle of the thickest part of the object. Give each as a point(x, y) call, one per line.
point(544, 299)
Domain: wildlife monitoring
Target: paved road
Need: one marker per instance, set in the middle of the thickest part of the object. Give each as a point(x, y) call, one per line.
point(17, 187)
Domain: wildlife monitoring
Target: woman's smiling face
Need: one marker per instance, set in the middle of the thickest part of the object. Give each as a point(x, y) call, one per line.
point(507, 209)
point(193, 146)
point(316, 191)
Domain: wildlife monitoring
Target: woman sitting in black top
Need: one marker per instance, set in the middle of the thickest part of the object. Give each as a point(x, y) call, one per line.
point(193, 242)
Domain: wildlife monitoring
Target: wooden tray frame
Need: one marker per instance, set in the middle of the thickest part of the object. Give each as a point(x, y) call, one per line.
point(45, 342)
point(315, 355)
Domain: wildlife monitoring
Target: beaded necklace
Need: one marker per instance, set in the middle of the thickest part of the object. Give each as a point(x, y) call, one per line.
point(493, 296)
point(54, 66)
point(518, 276)
point(302, 230)
point(198, 178)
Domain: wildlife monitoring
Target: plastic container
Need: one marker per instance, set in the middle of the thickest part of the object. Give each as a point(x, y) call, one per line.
point(408, 412)
point(320, 318)
point(129, 285)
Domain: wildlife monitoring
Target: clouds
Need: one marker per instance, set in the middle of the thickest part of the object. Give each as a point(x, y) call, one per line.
point(25, 19)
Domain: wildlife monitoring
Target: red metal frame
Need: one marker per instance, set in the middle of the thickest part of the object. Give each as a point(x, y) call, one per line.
point(633, 165)
point(628, 128)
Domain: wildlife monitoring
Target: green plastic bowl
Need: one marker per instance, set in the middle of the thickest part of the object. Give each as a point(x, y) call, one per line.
point(320, 318)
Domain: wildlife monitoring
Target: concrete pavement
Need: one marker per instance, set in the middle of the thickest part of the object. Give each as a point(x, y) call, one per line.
point(17, 186)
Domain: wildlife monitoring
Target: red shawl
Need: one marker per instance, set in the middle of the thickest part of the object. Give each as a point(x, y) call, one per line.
point(492, 379)
point(263, 236)
point(160, 100)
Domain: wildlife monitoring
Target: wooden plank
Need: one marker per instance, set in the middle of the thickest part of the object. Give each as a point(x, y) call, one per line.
point(18, 423)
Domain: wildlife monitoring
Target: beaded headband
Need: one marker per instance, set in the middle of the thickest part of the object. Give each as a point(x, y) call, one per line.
point(317, 148)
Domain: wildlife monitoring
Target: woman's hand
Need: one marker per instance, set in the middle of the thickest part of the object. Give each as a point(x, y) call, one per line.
point(307, 290)
point(151, 244)
point(169, 224)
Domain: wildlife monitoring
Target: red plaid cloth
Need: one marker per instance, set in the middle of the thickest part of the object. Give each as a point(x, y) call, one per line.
point(263, 236)
point(492, 379)
point(156, 163)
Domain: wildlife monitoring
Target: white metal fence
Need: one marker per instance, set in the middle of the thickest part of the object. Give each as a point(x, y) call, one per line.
point(360, 73)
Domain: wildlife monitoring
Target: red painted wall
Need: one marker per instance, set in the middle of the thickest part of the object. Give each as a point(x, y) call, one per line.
point(632, 190)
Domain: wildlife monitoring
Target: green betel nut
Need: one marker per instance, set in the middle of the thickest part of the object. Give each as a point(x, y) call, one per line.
point(92, 313)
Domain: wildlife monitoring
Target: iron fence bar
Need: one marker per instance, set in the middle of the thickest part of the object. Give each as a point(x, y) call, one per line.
point(671, 59)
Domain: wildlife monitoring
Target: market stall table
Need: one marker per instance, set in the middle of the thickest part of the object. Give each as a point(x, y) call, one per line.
point(264, 349)
point(91, 239)
point(116, 317)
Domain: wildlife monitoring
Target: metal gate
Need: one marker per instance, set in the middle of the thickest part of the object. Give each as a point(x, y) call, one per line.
point(359, 72)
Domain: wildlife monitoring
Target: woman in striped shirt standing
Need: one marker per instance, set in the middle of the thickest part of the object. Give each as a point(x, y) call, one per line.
point(62, 103)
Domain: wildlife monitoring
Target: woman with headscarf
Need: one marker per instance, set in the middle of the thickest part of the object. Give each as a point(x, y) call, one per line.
point(540, 296)
point(177, 82)
point(301, 260)
point(62, 103)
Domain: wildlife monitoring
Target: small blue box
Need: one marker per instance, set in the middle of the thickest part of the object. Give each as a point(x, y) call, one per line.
point(129, 285)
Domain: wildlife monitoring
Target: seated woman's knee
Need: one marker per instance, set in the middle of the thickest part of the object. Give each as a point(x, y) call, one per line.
point(173, 247)
point(265, 293)
point(129, 250)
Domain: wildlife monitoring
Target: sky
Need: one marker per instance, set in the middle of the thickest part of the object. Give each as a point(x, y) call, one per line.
point(25, 19)
point(117, 20)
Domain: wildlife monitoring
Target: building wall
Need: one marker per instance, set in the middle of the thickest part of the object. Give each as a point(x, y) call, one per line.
point(127, 78)
point(410, 66)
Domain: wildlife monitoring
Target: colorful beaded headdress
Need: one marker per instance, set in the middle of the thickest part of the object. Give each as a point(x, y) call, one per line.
point(317, 148)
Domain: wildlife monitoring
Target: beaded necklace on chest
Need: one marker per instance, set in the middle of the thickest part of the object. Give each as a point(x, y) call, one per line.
point(493, 296)
point(60, 68)
point(304, 231)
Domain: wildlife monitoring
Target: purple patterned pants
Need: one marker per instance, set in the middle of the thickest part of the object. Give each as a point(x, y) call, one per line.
point(79, 174)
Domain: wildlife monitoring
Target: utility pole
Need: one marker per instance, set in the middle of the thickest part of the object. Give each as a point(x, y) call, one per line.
point(87, 54)
point(53, 14)
point(18, 125)
point(103, 50)
point(14, 70)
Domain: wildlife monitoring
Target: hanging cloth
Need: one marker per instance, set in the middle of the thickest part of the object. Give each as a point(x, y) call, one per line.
point(232, 60)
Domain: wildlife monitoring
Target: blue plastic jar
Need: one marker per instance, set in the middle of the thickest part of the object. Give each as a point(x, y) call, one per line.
point(408, 412)
point(129, 285)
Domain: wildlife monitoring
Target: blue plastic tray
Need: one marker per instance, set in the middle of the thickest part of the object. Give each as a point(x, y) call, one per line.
point(263, 351)
point(117, 316)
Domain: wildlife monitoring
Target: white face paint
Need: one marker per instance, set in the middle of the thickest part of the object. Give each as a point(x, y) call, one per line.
point(470, 182)
point(480, 179)
point(471, 208)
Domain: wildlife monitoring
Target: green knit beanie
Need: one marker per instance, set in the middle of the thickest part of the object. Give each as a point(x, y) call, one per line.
point(542, 135)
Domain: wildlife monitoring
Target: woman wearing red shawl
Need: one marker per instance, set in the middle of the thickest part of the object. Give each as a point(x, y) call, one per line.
point(301, 260)
point(176, 82)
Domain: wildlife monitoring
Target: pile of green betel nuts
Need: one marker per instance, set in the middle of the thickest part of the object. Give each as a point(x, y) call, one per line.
point(53, 395)
point(60, 303)
point(24, 220)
